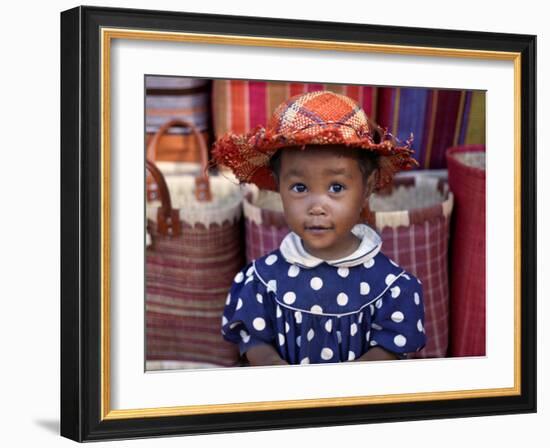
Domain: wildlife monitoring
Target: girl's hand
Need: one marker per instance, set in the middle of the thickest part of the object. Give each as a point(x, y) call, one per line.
point(264, 355)
point(377, 354)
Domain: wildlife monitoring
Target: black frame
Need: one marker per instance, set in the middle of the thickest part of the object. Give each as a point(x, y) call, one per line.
point(81, 223)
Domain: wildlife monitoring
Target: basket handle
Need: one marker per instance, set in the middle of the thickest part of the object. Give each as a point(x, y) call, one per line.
point(168, 222)
point(202, 185)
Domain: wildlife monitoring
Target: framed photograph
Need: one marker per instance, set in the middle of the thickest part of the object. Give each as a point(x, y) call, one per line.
point(155, 252)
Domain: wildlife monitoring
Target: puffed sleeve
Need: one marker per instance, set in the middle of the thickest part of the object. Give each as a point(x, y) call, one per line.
point(246, 318)
point(398, 318)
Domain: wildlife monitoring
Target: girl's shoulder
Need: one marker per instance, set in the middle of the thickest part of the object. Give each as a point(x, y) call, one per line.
point(270, 266)
point(387, 274)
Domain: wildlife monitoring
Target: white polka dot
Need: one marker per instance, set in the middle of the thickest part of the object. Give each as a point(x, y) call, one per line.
point(393, 262)
point(224, 320)
point(367, 336)
point(310, 334)
point(326, 353)
point(406, 276)
point(289, 298)
point(420, 326)
point(351, 356)
point(339, 337)
point(378, 303)
point(239, 304)
point(259, 298)
point(298, 317)
point(234, 324)
point(305, 360)
point(239, 277)
point(250, 271)
point(258, 323)
point(369, 264)
point(293, 271)
point(343, 272)
point(281, 339)
point(373, 343)
point(364, 288)
point(228, 299)
point(298, 341)
point(248, 280)
point(316, 283)
point(353, 329)
point(390, 278)
point(395, 291)
point(416, 298)
point(287, 327)
point(342, 299)
point(397, 317)
point(279, 312)
point(328, 325)
point(360, 319)
point(244, 336)
point(271, 259)
point(272, 285)
point(400, 340)
point(316, 309)
point(372, 310)
point(418, 280)
point(375, 326)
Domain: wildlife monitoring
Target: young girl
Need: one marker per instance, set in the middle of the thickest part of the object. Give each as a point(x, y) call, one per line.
point(327, 294)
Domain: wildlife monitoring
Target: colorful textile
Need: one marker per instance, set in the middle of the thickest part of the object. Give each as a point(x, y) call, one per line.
point(322, 313)
point(313, 118)
point(467, 181)
point(238, 106)
point(438, 118)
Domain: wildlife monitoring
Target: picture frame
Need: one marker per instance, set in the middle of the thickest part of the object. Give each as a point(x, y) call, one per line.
point(87, 386)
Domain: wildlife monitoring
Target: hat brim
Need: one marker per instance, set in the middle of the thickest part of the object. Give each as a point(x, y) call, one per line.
point(248, 155)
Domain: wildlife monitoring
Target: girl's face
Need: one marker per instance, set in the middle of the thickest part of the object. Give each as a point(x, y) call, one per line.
point(323, 192)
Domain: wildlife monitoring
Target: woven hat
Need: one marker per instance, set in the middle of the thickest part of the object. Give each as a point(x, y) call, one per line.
point(312, 118)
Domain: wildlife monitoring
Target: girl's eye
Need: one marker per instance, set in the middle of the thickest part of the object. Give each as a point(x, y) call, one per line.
point(298, 188)
point(336, 188)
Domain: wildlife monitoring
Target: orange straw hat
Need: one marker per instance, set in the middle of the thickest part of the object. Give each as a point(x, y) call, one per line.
point(313, 118)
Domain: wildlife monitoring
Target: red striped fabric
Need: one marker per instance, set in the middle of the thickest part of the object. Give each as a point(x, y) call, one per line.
point(238, 105)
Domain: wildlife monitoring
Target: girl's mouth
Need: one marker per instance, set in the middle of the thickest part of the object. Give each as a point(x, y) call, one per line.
point(316, 230)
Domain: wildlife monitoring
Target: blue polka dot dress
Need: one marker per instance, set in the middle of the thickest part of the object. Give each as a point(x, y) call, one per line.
point(316, 311)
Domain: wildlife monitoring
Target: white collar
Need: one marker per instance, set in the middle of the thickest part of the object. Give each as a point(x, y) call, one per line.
point(293, 250)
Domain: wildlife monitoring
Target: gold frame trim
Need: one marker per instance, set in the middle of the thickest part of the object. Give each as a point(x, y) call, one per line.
point(107, 35)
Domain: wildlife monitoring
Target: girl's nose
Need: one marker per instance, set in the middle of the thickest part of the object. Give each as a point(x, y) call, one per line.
point(316, 209)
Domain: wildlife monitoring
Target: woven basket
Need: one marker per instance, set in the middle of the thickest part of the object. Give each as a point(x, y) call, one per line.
point(413, 219)
point(265, 224)
point(195, 250)
point(467, 181)
point(167, 98)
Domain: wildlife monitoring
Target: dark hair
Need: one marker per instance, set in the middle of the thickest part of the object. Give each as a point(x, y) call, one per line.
point(369, 161)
